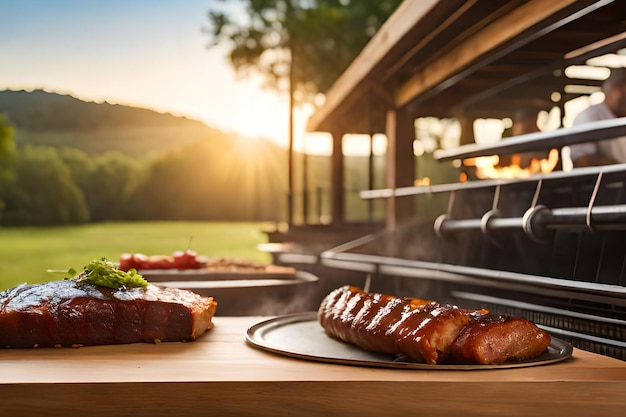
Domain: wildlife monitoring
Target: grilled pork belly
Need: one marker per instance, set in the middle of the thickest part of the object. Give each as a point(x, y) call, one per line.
point(426, 331)
point(490, 339)
point(69, 313)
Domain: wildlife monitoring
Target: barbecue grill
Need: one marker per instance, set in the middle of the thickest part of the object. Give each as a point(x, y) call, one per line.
point(550, 247)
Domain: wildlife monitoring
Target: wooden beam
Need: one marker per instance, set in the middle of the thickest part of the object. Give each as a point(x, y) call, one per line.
point(601, 45)
point(605, 46)
point(441, 73)
point(408, 14)
point(419, 44)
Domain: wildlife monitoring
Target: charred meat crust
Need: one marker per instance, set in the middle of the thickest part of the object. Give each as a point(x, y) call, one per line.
point(66, 313)
point(426, 331)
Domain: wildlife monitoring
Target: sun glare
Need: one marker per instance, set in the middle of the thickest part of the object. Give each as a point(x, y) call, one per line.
point(318, 143)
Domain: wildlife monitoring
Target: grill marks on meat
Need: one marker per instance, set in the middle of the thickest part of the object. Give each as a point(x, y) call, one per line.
point(65, 313)
point(426, 331)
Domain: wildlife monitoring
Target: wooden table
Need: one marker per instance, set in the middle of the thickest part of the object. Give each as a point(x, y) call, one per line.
point(220, 374)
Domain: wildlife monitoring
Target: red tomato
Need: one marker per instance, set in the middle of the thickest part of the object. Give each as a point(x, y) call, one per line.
point(188, 260)
point(184, 259)
point(135, 260)
point(126, 262)
point(160, 262)
point(141, 261)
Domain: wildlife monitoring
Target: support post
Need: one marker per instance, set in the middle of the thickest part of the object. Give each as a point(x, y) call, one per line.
point(400, 130)
point(337, 178)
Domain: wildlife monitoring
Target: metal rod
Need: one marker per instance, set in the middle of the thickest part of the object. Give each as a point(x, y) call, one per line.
point(590, 291)
point(554, 177)
point(589, 132)
point(543, 220)
point(495, 223)
point(603, 218)
point(592, 200)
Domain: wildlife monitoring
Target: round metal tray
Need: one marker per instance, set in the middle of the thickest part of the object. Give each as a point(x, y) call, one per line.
point(301, 336)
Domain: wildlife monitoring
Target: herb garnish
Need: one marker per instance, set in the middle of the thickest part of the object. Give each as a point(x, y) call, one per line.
point(107, 274)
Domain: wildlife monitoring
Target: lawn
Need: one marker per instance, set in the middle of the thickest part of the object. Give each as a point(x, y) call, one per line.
point(27, 253)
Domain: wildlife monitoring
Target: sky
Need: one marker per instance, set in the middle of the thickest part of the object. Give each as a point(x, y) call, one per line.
point(146, 53)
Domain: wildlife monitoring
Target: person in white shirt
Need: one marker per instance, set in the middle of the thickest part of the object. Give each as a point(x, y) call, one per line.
point(614, 105)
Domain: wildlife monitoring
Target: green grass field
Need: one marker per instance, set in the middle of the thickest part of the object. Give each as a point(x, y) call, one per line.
point(27, 253)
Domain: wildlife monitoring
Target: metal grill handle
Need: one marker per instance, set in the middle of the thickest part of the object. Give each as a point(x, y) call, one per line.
point(540, 222)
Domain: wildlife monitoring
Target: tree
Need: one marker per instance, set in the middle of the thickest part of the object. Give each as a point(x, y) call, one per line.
point(41, 190)
point(314, 40)
point(7, 147)
point(107, 180)
point(300, 46)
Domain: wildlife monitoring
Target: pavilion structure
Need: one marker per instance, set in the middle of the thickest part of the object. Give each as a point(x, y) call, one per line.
point(464, 59)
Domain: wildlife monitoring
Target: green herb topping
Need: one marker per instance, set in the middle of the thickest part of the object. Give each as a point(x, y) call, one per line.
point(107, 274)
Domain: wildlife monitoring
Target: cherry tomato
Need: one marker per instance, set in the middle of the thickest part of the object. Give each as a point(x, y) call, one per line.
point(160, 262)
point(184, 259)
point(135, 260)
point(188, 259)
point(126, 262)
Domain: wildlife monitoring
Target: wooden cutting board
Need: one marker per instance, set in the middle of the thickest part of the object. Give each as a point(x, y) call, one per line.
point(220, 374)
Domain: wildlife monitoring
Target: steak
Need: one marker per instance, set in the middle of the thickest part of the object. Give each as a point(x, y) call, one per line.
point(71, 313)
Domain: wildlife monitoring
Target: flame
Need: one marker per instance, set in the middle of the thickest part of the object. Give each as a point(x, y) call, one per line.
point(486, 167)
point(422, 182)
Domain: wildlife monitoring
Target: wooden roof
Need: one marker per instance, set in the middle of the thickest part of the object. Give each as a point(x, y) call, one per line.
point(482, 58)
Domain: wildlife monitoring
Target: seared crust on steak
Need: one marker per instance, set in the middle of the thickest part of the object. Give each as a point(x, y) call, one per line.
point(67, 313)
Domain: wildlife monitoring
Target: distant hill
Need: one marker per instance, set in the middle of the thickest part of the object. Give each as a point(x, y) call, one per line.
point(39, 110)
point(45, 118)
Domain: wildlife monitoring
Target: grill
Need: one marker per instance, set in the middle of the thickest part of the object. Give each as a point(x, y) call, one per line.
point(550, 248)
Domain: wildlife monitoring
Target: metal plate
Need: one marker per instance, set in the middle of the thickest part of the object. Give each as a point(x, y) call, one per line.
point(301, 336)
point(162, 275)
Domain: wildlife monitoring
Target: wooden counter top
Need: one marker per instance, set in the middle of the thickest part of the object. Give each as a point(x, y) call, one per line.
point(220, 374)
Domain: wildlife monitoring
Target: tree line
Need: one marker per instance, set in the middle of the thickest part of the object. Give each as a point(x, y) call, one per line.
point(209, 179)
